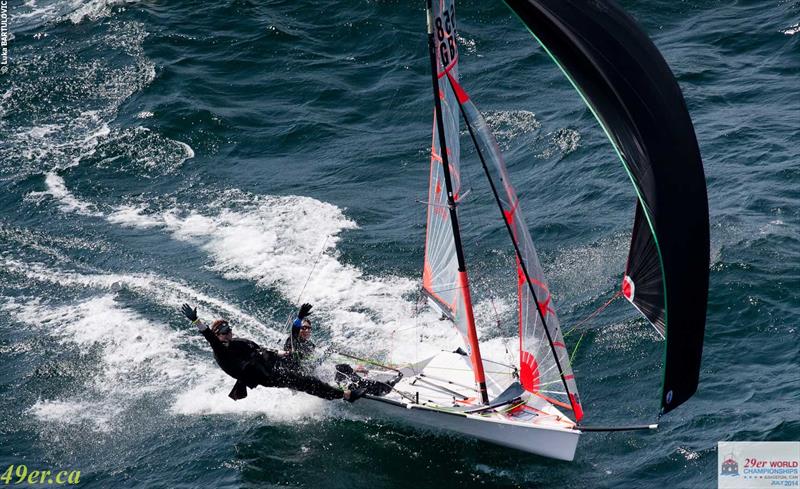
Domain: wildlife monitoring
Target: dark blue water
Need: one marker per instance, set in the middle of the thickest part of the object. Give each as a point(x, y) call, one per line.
point(159, 153)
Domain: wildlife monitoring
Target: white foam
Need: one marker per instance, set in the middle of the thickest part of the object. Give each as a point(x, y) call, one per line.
point(775, 226)
point(467, 44)
point(99, 416)
point(95, 9)
point(276, 242)
point(281, 405)
point(156, 289)
point(134, 217)
point(6, 95)
point(563, 141)
point(687, 453)
point(57, 189)
point(507, 125)
point(60, 135)
point(41, 131)
point(792, 30)
point(187, 149)
point(31, 14)
point(141, 357)
point(143, 152)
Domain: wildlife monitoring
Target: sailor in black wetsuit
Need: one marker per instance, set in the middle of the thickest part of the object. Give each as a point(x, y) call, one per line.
point(298, 347)
point(252, 365)
point(300, 352)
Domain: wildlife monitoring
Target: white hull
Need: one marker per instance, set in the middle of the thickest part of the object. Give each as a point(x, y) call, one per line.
point(436, 394)
point(548, 442)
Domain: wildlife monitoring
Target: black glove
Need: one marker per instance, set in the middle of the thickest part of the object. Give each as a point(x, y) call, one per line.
point(191, 314)
point(305, 310)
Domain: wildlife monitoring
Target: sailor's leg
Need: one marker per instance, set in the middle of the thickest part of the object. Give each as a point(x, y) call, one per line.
point(345, 373)
point(309, 385)
point(270, 372)
point(262, 370)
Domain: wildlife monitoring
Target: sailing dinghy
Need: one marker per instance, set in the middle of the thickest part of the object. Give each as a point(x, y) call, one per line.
point(534, 405)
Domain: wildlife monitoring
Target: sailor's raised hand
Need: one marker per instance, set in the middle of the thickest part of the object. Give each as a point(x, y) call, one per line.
point(191, 314)
point(305, 310)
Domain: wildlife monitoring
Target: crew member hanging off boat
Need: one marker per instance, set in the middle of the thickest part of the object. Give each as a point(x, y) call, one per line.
point(251, 365)
point(298, 346)
point(300, 358)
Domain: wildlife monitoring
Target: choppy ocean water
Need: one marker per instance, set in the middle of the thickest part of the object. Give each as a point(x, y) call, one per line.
point(155, 153)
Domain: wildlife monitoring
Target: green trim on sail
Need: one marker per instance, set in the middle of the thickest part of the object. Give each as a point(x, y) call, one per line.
point(630, 176)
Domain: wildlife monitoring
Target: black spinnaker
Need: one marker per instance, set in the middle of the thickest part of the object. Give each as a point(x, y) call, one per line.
point(629, 88)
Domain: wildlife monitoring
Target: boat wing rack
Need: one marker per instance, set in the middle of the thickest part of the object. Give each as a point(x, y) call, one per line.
point(512, 394)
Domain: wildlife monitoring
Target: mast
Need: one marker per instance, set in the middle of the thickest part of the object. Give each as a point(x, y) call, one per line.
point(472, 334)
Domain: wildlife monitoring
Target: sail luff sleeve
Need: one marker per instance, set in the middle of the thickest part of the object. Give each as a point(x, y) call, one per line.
point(544, 360)
point(447, 280)
point(629, 88)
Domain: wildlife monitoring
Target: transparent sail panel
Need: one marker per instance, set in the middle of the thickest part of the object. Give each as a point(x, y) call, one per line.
point(539, 362)
point(440, 279)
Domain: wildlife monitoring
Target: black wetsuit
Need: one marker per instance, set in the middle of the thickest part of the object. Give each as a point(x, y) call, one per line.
point(300, 354)
point(252, 366)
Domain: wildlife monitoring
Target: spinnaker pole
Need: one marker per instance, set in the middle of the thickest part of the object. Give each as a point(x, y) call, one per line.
point(472, 334)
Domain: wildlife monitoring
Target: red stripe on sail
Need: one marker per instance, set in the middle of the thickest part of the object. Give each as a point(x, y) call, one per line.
point(544, 307)
point(576, 407)
point(554, 401)
point(529, 372)
point(461, 95)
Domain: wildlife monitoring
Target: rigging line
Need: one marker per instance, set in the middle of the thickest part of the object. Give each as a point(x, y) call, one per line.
point(616, 428)
point(365, 360)
point(461, 198)
point(404, 329)
point(551, 382)
point(521, 261)
point(300, 295)
point(575, 350)
point(456, 369)
point(512, 367)
point(595, 313)
point(440, 388)
point(319, 257)
point(438, 291)
point(497, 320)
point(448, 381)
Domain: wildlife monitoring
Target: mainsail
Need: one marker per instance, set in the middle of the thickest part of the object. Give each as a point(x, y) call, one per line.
point(444, 278)
point(543, 358)
point(629, 88)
